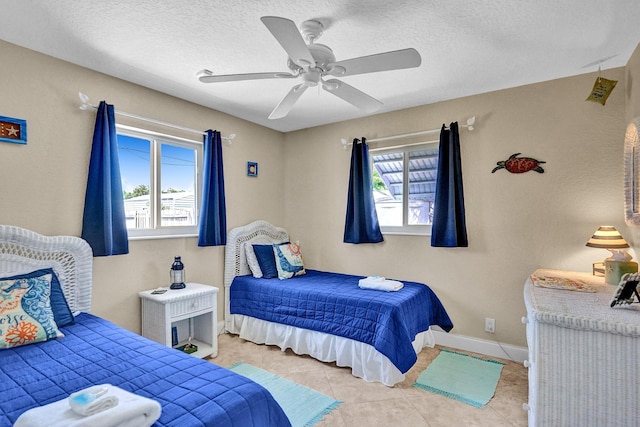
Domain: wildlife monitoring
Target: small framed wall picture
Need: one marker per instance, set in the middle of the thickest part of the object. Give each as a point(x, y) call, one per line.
point(13, 130)
point(252, 169)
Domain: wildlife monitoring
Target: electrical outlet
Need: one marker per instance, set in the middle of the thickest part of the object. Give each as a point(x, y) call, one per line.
point(490, 325)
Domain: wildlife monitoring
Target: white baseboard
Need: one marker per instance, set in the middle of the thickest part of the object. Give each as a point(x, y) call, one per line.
point(486, 347)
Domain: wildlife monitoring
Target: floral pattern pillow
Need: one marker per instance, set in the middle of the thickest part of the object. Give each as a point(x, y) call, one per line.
point(288, 260)
point(25, 311)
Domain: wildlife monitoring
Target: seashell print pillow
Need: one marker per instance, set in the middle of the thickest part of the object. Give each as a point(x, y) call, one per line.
point(25, 311)
point(288, 260)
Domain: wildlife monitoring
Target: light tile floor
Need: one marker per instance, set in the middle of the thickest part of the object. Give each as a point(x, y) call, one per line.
point(373, 404)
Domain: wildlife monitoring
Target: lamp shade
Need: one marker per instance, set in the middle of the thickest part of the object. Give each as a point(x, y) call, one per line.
point(607, 237)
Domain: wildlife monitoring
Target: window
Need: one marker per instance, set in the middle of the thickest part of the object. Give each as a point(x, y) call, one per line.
point(404, 187)
point(160, 183)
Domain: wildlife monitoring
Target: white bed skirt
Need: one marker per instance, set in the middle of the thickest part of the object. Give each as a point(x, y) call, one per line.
point(365, 361)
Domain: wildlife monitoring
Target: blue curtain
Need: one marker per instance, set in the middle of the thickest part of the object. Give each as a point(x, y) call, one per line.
point(104, 225)
point(449, 225)
point(213, 215)
point(361, 225)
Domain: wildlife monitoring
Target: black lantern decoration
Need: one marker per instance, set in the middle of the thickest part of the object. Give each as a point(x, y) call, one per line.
point(177, 274)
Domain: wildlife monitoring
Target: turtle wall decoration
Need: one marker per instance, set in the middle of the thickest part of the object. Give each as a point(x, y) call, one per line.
point(515, 164)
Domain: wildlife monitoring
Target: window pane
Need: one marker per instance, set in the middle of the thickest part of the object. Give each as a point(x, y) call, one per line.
point(422, 186)
point(387, 188)
point(134, 155)
point(177, 181)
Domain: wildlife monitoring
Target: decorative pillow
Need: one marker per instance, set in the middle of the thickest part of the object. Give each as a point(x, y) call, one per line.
point(252, 260)
point(266, 260)
point(288, 260)
point(25, 311)
point(61, 311)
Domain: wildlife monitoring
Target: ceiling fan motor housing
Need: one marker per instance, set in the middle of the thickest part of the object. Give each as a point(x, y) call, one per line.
point(322, 56)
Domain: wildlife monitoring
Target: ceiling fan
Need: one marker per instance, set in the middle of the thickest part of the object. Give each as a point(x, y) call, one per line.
point(314, 62)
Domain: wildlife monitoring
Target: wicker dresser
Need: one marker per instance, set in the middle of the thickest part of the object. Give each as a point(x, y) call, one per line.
point(584, 356)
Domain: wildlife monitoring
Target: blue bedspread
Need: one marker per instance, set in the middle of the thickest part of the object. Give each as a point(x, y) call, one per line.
point(192, 392)
point(333, 303)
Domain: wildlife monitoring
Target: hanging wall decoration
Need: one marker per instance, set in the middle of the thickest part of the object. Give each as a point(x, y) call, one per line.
point(13, 130)
point(515, 164)
point(252, 169)
point(602, 88)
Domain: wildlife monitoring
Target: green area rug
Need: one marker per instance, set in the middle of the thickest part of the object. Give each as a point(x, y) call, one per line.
point(304, 406)
point(462, 377)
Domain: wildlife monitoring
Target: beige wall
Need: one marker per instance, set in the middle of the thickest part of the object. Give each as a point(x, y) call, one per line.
point(516, 223)
point(632, 109)
point(43, 183)
point(632, 89)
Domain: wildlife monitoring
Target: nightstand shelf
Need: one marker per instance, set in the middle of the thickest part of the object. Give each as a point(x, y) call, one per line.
point(192, 311)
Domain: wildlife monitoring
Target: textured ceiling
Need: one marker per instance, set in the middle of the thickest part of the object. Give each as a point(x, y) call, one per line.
point(467, 47)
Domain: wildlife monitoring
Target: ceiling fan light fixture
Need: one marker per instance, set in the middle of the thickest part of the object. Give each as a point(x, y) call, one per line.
point(311, 77)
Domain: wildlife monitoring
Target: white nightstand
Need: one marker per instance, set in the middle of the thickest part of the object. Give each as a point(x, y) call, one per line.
point(193, 311)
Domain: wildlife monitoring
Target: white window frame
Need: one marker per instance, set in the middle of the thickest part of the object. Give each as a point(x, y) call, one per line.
point(406, 228)
point(157, 231)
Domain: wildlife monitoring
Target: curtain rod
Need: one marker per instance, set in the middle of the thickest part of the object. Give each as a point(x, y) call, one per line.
point(85, 106)
point(373, 150)
point(470, 122)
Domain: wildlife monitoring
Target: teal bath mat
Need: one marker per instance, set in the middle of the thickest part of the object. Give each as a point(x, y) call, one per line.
point(304, 406)
point(462, 377)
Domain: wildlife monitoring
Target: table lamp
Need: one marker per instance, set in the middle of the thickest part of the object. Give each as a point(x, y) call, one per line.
point(619, 263)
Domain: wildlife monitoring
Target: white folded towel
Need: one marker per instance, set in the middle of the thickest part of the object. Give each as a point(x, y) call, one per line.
point(131, 410)
point(380, 284)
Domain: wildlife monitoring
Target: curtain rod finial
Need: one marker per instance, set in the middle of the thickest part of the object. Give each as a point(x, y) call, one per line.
point(470, 122)
point(229, 138)
point(85, 101)
point(344, 143)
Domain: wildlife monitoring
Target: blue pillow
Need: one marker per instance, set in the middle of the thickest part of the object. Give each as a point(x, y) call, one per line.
point(61, 312)
point(266, 260)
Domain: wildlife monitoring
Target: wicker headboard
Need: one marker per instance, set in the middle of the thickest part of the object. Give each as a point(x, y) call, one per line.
point(235, 260)
point(22, 251)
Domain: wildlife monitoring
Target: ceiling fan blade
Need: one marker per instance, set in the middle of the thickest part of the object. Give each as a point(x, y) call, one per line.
point(206, 76)
point(288, 35)
point(352, 95)
point(283, 108)
point(394, 60)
